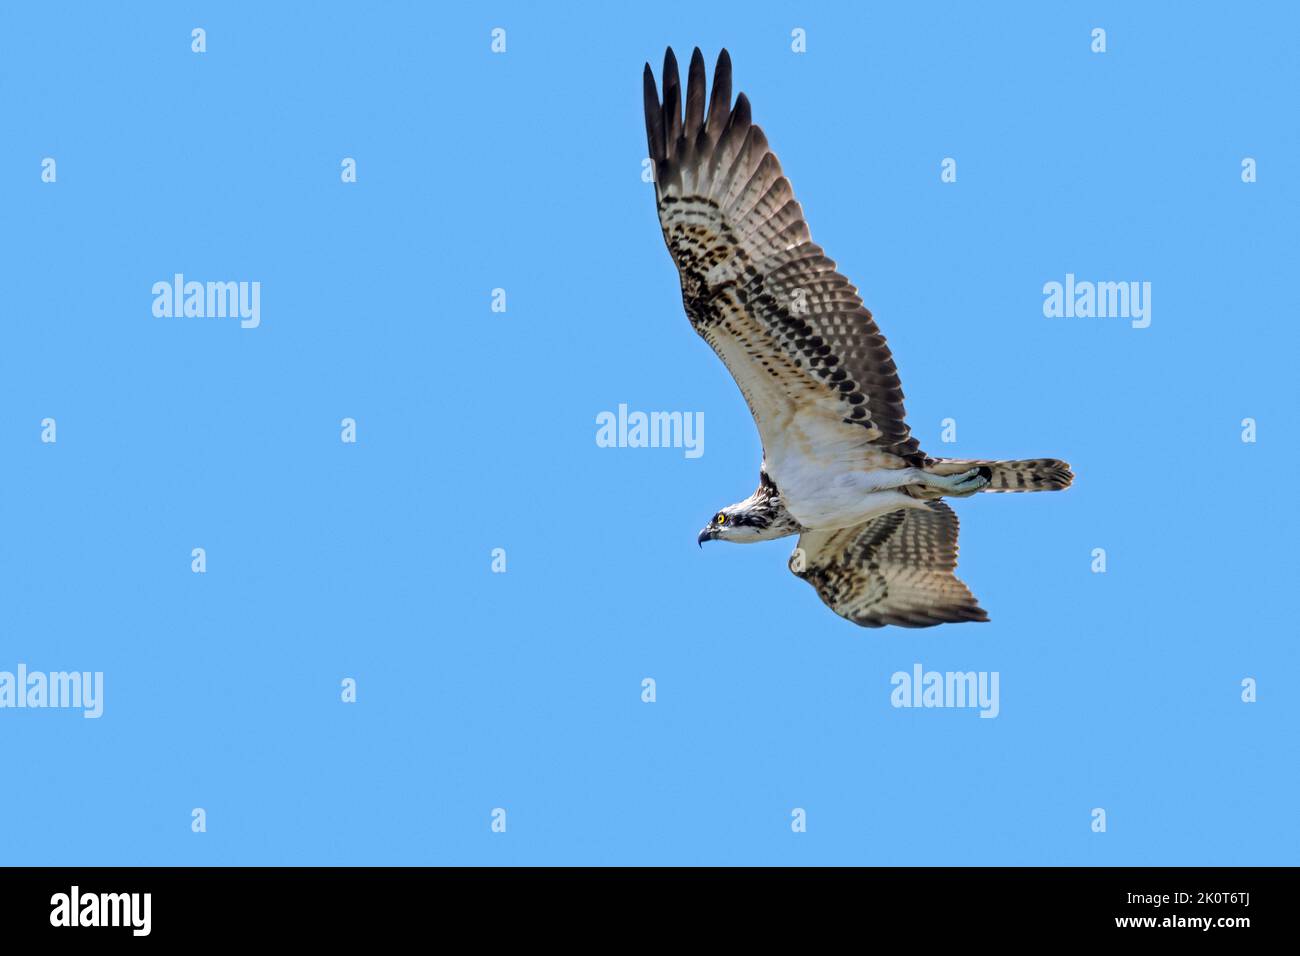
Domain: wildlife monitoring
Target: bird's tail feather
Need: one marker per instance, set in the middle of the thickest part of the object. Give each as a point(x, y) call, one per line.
point(1031, 474)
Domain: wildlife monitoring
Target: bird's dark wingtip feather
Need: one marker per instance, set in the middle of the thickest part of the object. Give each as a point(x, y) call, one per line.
point(741, 111)
point(695, 95)
point(654, 120)
point(720, 98)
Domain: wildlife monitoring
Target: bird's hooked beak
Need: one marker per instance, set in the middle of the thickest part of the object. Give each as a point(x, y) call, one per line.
point(705, 535)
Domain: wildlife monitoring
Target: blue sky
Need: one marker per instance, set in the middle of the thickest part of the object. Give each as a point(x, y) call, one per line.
point(476, 431)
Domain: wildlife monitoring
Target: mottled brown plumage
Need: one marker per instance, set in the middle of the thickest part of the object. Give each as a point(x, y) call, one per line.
point(750, 271)
point(897, 569)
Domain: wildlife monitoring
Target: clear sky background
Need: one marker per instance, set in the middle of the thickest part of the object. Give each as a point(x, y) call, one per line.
point(476, 430)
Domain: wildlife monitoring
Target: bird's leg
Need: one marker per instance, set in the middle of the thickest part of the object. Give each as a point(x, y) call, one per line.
point(960, 485)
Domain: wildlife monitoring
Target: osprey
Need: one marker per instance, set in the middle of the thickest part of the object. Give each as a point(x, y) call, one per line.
point(840, 466)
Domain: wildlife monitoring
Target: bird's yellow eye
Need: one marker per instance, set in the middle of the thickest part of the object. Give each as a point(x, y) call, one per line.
point(721, 519)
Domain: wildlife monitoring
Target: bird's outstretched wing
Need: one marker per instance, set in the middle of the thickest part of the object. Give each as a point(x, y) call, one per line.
point(814, 369)
point(895, 569)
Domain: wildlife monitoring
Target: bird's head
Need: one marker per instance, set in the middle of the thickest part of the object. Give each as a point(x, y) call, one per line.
point(730, 524)
point(747, 522)
point(760, 517)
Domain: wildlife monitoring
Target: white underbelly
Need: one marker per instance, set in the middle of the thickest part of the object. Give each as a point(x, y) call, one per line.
point(830, 477)
point(841, 507)
point(830, 473)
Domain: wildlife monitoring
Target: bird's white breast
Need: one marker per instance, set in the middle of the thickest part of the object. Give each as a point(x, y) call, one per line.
point(829, 471)
point(829, 476)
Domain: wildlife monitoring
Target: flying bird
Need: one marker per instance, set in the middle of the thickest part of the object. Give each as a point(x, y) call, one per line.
point(840, 466)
